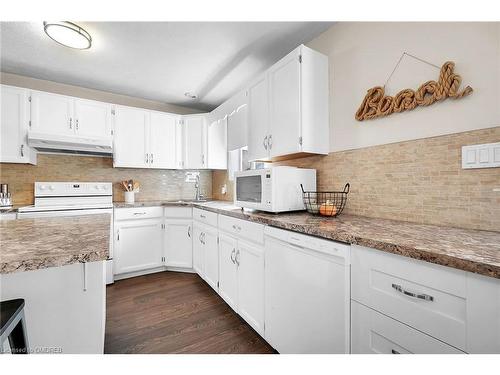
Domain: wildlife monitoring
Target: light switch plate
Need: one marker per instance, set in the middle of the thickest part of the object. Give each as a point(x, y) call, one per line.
point(481, 156)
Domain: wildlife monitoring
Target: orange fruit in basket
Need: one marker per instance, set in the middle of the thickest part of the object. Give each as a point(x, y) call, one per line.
point(327, 209)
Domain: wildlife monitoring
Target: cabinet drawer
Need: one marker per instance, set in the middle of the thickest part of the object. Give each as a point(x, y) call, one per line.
point(373, 332)
point(426, 296)
point(205, 217)
point(138, 213)
point(242, 228)
point(179, 212)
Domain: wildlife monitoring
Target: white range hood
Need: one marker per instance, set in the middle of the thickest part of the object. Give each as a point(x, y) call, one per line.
point(44, 142)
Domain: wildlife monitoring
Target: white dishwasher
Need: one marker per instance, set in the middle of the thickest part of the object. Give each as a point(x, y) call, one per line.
point(307, 293)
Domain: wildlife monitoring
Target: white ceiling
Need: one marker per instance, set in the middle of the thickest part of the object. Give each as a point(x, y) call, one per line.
point(156, 60)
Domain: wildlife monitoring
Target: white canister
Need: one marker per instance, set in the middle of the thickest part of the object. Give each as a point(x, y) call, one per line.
point(129, 197)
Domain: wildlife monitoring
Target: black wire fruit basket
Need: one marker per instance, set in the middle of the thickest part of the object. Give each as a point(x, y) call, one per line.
point(325, 203)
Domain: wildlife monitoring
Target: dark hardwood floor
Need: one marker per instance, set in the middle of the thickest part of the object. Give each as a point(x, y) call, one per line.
point(174, 312)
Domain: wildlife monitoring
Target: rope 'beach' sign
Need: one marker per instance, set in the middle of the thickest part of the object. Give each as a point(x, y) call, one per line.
point(377, 104)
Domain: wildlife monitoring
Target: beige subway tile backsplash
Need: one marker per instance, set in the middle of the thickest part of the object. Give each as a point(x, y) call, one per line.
point(155, 184)
point(418, 181)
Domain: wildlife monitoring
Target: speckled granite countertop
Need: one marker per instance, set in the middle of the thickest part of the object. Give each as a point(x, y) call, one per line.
point(30, 244)
point(469, 250)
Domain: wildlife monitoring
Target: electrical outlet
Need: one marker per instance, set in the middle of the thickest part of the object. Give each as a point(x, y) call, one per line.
point(223, 190)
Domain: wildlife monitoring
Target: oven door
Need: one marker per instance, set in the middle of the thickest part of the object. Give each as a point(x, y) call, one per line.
point(250, 191)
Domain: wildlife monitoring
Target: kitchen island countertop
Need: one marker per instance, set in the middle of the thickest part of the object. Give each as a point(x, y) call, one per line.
point(31, 244)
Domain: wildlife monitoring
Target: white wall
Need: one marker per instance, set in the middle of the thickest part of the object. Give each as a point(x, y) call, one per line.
point(362, 55)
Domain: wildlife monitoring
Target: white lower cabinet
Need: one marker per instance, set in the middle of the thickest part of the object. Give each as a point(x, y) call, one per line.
point(65, 307)
point(211, 250)
point(241, 273)
point(198, 250)
point(228, 272)
point(458, 308)
point(178, 242)
point(138, 245)
point(373, 332)
point(206, 253)
point(250, 261)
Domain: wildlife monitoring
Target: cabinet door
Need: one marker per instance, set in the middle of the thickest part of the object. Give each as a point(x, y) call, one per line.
point(198, 250)
point(250, 261)
point(163, 140)
point(217, 144)
point(139, 245)
point(52, 114)
point(92, 119)
point(194, 132)
point(130, 138)
point(14, 126)
point(178, 243)
point(237, 129)
point(228, 271)
point(258, 119)
point(284, 99)
point(211, 256)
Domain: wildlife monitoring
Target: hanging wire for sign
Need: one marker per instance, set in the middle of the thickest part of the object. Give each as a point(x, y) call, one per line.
point(409, 55)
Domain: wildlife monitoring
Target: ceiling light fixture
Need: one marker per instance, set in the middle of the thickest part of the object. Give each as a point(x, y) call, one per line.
point(68, 34)
point(190, 95)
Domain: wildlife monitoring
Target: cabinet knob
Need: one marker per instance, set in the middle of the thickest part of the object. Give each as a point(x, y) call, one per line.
point(264, 143)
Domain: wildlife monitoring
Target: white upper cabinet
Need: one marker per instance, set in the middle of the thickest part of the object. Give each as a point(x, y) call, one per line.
point(163, 140)
point(217, 144)
point(14, 126)
point(237, 130)
point(52, 114)
point(130, 149)
point(194, 141)
point(92, 119)
point(288, 107)
point(61, 115)
point(258, 119)
point(284, 106)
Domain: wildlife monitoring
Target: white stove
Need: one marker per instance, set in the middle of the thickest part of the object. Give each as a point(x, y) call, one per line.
point(71, 199)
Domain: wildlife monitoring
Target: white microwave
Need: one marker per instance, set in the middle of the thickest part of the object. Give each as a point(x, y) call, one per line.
point(273, 189)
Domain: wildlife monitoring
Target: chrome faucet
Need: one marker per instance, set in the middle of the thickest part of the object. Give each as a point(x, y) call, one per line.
point(199, 196)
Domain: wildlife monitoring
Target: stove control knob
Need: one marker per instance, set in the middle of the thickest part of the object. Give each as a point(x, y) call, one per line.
point(43, 187)
point(96, 187)
point(51, 187)
point(105, 187)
